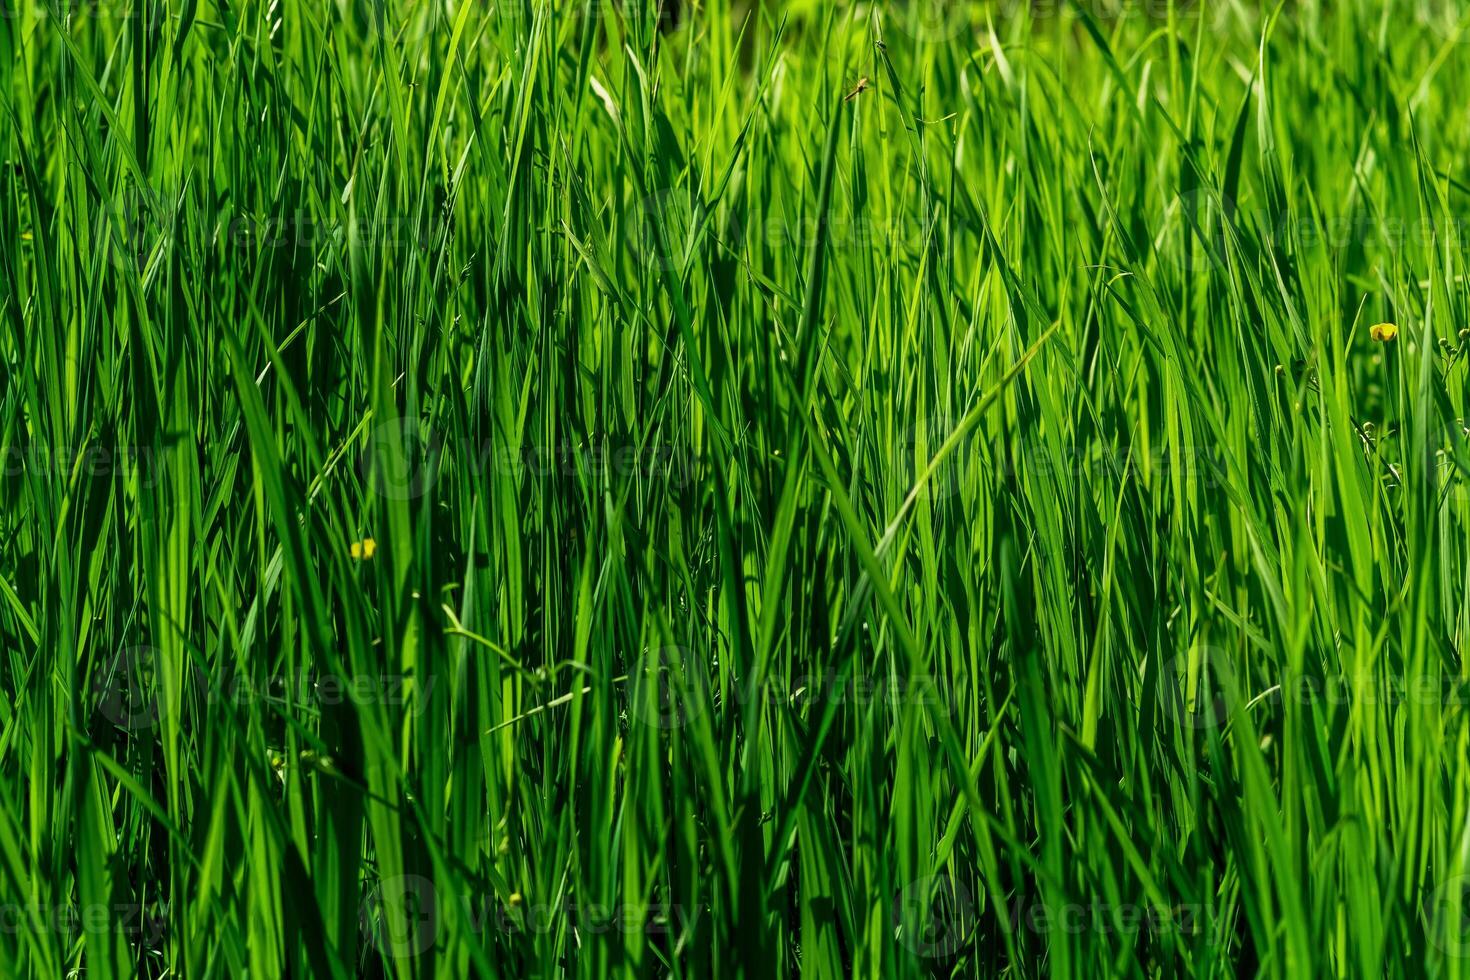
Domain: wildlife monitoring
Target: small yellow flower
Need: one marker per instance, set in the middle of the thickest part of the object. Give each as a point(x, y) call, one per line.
point(365, 549)
point(515, 900)
point(1383, 332)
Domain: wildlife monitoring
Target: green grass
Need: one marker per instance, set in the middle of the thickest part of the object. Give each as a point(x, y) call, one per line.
point(963, 528)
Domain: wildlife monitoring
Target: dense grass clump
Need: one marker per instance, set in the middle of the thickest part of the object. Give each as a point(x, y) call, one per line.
point(765, 488)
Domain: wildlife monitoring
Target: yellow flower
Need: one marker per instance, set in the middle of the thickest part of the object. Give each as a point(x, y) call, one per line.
point(1383, 332)
point(364, 549)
